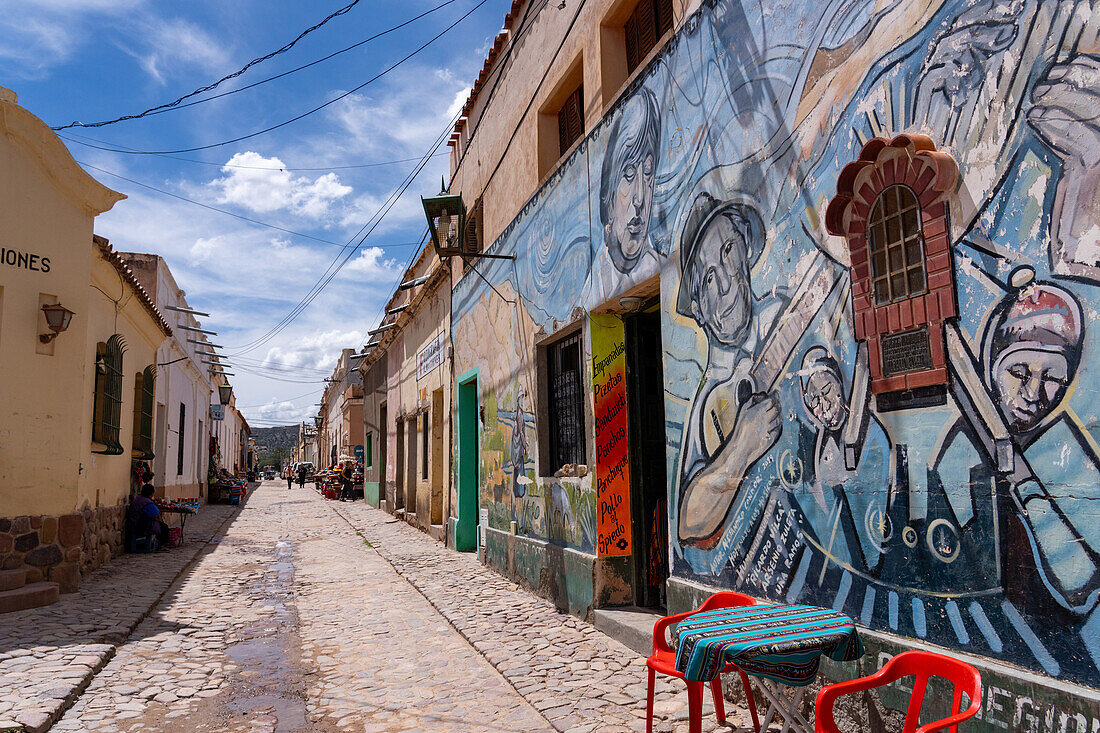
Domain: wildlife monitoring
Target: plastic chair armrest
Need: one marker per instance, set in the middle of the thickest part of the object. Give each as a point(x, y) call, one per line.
point(659, 628)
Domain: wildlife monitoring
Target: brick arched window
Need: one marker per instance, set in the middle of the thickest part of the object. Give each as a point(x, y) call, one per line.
point(891, 207)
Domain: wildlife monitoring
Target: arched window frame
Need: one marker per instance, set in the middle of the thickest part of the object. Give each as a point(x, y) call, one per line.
point(915, 162)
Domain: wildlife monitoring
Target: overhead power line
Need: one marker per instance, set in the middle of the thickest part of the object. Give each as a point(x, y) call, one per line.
point(208, 206)
point(342, 259)
point(347, 8)
point(72, 137)
point(307, 113)
point(230, 213)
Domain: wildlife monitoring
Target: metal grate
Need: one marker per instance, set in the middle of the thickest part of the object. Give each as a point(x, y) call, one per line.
point(566, 405)
point(897, 246)
point(107, 410)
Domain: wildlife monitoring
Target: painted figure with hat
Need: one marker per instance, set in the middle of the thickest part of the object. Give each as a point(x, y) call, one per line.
point(729, 426)
point(1031, 351)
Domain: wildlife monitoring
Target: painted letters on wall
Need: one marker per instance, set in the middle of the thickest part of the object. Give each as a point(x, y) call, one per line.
point(612, 463)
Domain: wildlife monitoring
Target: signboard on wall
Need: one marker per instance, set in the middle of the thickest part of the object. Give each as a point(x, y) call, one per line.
point(612, 474)
point(217, 412)
point(431, 356)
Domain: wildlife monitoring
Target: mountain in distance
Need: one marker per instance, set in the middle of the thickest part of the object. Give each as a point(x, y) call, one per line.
point(270, 439)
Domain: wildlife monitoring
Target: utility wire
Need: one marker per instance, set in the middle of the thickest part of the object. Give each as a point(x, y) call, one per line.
point(307, 113)
point(164, 107)
point(338, 263)
point(208, 206)
point(71, 137)
point(236, 216)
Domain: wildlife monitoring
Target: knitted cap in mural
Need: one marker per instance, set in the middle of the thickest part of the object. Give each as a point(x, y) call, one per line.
point(1038, 316)
point(704, 210)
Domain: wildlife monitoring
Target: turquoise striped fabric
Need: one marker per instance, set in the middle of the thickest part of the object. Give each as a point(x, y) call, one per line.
point(778, 642)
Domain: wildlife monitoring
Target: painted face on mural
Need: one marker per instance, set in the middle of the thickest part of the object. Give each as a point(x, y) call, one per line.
point(824, 399)
point(627, 178)
point(631, 202)
point(1029, 384)
point(1033, 346)
point(722, 288)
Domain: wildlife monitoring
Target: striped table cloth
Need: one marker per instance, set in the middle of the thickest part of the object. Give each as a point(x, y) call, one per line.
point(777, 642)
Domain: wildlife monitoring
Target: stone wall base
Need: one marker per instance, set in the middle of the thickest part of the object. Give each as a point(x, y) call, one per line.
point(559, 574)
point(1015, 699)
point(62, 548)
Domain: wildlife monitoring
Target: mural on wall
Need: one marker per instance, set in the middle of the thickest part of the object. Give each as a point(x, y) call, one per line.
point(968, 520)
point(613, 525)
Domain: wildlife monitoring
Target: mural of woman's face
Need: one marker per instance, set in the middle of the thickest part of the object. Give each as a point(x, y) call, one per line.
point(1030, 383)
point(723, 292)
point(629, 208)
point(824, 399)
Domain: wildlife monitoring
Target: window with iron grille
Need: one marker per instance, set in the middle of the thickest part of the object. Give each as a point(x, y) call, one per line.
point(571, 120)
point(107, 402)
point(650, 20)
point(565, 402)
point(144, 394)
point(896, 245)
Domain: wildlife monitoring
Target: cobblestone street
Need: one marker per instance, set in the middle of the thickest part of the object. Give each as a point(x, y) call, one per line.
point(295, 613)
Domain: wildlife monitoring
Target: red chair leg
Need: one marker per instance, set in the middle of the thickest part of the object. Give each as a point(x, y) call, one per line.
point(649, 704)
point(751, 700)
point(716, 693)
point(695, 707)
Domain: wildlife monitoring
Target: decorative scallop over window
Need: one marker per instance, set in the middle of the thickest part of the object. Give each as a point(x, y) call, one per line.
point(897, 249)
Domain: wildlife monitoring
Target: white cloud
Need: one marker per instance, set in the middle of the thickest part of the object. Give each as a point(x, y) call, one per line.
point(167, 45)
point(283, 411)
point(266, 191)
point(371, 263)
point(315, 351)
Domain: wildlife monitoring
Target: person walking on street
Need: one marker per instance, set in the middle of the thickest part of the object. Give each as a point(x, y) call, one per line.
point(301, 476)
point(289, 477)
point(345, 482)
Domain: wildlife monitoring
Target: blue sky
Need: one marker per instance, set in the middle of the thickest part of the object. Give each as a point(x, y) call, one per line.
point(92, 60)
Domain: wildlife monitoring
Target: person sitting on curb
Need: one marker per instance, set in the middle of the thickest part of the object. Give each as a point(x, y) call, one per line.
point(143, 518)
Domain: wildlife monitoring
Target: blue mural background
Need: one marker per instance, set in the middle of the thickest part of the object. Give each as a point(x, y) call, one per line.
point(758, 108)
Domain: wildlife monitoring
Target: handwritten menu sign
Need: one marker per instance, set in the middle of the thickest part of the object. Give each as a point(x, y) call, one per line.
point(612, 472)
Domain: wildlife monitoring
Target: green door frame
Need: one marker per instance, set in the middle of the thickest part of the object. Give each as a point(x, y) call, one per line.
point(467, 463)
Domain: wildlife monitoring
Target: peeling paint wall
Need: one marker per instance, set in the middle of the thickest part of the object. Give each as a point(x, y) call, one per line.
point(786, 479)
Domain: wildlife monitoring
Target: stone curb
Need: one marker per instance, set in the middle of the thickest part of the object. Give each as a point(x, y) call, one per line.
point(38, 722)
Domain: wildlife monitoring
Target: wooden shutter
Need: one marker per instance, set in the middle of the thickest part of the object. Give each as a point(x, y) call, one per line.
point(135, 444)
point(648, 23)
point(663, 20)
point(571, 120)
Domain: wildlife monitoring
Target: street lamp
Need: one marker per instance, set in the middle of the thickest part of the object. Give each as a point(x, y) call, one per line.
point(57, 319)
point(225, 393)
point(446, 219)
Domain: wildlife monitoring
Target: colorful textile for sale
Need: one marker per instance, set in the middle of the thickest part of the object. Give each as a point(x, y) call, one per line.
point(777, 642)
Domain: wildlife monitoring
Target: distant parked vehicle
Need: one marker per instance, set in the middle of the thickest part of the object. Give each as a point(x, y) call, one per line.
point(269, 474)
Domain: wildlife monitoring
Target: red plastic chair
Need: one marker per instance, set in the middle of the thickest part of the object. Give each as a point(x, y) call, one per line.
point(663, 660)
point(923, 665)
